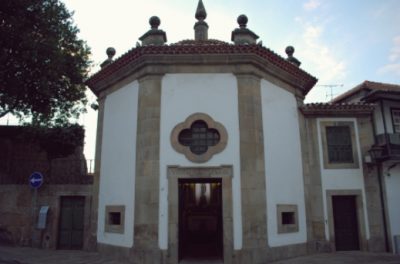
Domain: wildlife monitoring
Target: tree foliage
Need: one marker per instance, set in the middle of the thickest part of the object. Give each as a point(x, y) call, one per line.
point(43, 63)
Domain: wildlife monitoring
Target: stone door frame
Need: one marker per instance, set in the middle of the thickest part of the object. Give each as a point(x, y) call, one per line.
point(174, 174)
point(358, 194)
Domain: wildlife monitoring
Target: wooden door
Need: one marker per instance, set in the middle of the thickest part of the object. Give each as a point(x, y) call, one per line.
point(345, 222)
point(70, 234)
point(200, 219)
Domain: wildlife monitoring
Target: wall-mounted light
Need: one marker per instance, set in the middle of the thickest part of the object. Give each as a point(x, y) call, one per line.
point(376, 153)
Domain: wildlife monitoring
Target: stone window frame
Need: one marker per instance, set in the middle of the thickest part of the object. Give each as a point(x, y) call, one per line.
point(108, 227)
point(211, 149)
point(288, 228)
point(326, 163)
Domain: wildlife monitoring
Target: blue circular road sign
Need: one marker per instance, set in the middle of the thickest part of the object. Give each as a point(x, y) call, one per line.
point(36, 180)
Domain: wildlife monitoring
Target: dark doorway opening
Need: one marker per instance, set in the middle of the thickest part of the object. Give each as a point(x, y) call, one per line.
point(345, 222)
point(71, 223)
point(200, 219)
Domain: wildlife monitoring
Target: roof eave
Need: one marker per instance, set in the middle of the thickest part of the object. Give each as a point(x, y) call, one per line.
point(337, 110)
point(381, 95)
point(253, 54)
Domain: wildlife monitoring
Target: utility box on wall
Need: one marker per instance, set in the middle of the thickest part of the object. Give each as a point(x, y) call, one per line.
point(42, 217)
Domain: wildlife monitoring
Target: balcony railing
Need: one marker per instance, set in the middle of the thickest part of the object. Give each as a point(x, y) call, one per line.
point(390, 144)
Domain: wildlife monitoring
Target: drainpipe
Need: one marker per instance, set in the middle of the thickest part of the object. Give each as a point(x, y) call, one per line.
point(385, 229)
point(385, 128)
point(379, 170)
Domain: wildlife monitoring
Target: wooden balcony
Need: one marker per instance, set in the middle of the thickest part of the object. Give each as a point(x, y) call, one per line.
point(390, 144)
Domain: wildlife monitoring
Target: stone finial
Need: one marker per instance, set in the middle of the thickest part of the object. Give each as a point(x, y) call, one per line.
point(243, 35)
point(201, 12)
point(201, 27)
point(154, 22)
point(110, 54)
point(289, 51)
point(242, 21)
point(154, 36)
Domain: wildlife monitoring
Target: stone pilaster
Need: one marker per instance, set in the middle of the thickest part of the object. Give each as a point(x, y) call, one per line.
point(252, 172)
point(312, 184)
point(145, 248)
point(92, 243)
point(371, 182)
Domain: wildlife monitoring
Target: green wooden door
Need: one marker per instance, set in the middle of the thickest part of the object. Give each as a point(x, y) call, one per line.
point(70, 235)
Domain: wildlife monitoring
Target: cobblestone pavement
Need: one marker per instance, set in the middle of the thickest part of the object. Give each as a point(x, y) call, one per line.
point(24, 255)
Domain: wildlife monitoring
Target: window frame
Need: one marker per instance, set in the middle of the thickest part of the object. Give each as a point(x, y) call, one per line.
point(212, 150)
point(339, 165)
point(287, 228)
point(110, 228)
point(329, 145)
point(392, 109)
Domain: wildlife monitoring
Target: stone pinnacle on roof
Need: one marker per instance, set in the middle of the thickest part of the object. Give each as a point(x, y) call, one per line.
point(201, 12)
point(243, 35)
point(201, 27)
point(110, 54)
point(289, 51)
point(154, 36)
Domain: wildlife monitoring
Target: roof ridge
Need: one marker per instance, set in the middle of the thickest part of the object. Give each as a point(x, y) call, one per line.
point(370, 85)
point(381, 83)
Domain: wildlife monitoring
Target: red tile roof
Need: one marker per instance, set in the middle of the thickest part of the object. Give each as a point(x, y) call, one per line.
point(338, 109)
point(368, 86)
point(188, 47)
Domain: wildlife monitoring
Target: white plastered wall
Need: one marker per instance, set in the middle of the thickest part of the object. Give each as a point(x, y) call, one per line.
point(183, 95)
point(342, 179)
point(283, 163)
point(392, 182)
point(118, 156)
point(392, 186)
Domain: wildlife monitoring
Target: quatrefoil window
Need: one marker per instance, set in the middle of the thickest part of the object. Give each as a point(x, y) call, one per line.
point(199, 137)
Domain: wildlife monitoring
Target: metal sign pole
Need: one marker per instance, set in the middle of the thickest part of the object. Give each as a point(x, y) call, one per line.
point(35, 181)
point(34, 202)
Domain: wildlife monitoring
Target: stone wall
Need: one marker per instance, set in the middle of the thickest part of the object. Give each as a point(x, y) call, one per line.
point(64, 175)
point(17, 216)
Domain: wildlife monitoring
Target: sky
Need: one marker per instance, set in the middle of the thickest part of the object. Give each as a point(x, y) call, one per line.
point(340, 42)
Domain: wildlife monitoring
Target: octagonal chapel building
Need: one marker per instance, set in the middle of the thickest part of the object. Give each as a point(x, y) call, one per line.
point(205, 150)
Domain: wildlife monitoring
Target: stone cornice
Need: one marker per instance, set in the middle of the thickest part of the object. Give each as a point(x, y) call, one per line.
point(181, 56)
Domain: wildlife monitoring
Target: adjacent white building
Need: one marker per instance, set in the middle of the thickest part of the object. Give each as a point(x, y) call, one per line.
point(386, 120)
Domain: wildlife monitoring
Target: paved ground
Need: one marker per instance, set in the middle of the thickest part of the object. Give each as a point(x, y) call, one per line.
point(352, 257)
point(25, 255)
point(15, 255)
